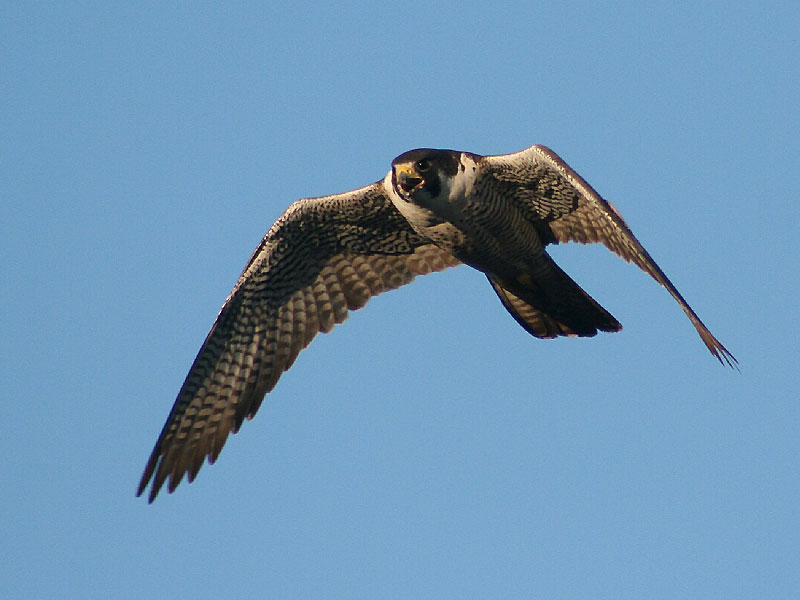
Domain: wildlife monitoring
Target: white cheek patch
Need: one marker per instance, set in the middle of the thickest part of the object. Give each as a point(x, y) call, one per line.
point(461, 185)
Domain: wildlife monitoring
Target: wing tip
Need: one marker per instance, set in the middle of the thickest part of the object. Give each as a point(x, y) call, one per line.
point(156, 474)
point(718, 351)
point(726, 358)
point(147, 475)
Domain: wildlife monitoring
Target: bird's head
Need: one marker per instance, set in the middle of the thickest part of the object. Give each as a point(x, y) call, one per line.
point(418, 176)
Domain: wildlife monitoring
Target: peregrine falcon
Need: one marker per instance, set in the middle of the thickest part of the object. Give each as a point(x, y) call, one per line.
point(329, 255)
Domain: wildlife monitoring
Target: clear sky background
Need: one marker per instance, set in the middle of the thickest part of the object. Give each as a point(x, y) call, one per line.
point(429, 447)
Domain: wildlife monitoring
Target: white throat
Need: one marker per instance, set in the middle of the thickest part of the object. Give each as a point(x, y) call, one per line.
point(414, 214)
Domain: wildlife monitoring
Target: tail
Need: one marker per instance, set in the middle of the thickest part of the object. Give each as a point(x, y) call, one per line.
point(552, 304)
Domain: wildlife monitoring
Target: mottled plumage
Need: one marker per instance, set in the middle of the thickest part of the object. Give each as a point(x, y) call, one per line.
point(326, 256)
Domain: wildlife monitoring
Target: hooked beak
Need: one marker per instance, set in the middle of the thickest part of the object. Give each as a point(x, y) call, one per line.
point(407, 178)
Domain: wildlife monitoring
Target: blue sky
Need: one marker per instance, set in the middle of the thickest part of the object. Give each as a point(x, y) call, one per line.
point(429, 447)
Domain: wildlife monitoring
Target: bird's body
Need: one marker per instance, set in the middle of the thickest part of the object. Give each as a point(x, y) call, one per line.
point(326, 256)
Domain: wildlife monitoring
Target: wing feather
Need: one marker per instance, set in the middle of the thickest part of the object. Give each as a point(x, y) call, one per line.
point(567, 209)
point(323, 258)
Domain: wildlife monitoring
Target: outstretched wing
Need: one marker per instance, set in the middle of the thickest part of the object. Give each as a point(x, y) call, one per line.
point(567, 209)
point(322, 258)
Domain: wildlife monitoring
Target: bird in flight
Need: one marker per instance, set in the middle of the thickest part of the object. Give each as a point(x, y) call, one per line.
point(326, 256)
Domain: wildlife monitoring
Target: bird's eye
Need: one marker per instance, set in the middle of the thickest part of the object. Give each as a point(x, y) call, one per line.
point(423, 165)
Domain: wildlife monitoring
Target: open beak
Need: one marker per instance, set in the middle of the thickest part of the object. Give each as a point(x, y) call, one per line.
point(407, 178)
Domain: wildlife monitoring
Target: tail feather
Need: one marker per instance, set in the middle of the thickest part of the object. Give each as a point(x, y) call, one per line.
point(532, 320)
point(553, 306)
